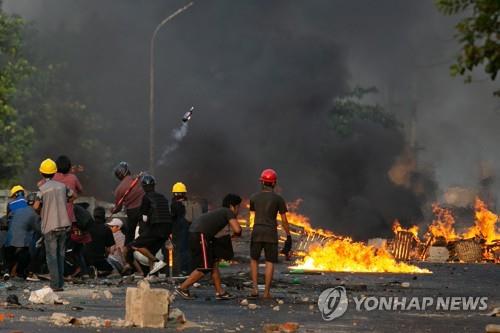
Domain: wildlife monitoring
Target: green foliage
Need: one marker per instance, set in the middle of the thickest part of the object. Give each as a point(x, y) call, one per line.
point(61, 122)
point(350, 107)
point(15, 138)
point(478, 33)
point(40, 114)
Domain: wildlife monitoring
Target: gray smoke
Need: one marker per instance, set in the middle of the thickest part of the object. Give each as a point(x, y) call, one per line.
point(177, 135)
point(266, 74)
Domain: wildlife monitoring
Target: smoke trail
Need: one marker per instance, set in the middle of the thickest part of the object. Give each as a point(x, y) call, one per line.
point(177, 134)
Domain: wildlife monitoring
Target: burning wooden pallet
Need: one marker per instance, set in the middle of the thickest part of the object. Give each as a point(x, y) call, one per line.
point(404, 245)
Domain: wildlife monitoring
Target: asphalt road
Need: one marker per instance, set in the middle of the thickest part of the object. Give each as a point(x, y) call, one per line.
point(299, 294)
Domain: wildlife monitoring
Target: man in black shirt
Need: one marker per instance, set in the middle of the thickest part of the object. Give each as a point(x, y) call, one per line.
point(96, 252)
point(201, 240)
point(266, 205)
point(156, 227)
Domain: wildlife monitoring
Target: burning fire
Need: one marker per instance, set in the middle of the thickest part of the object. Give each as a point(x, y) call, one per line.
point(396, 227)
point(329, 252)
point(485, 224)
point(442, 226)
point(345, 255)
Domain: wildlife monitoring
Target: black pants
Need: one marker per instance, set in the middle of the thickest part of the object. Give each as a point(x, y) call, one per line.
point(133, 218)
point(19, 256)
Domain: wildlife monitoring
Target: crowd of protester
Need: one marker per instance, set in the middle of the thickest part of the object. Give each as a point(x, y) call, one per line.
point(50, 235)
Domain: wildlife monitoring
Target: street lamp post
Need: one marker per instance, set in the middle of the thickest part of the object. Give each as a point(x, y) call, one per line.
point(152, 84)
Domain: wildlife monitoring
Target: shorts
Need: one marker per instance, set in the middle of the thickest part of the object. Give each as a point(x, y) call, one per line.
point(152, 244)
point(270, 251)
point(202, 252)
point(223, 248)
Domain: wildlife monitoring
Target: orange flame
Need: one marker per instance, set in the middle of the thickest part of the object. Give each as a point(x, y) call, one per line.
point(396, 227)
point(443, 224)
point(345, 255)
point(485, 224)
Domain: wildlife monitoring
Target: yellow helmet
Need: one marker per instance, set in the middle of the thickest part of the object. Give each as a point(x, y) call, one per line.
point(48, 167)
point(16, 189)
point(179, 188)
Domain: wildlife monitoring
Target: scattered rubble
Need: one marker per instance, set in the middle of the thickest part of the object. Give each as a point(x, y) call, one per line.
point(252, 306)
point(44, 296)
point(493, 328)
point(63, 319)
point(494, 313)
point(288, 327)
point(108, 294)
point(177, 315)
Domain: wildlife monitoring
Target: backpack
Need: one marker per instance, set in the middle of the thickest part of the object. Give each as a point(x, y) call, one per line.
point(159, 210)
point(193, 210)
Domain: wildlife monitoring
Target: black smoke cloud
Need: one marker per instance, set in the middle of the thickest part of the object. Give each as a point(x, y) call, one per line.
point(262, 76)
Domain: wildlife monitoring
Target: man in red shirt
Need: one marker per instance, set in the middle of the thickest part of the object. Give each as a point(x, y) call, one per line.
point(128, 193)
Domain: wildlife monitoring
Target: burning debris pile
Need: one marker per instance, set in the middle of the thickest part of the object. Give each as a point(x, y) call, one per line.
point(322, 250)
point(345, 255)
point(479, 242)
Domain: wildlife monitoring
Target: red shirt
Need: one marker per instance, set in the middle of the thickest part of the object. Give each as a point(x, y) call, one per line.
point(133, 198)
point(71, 181)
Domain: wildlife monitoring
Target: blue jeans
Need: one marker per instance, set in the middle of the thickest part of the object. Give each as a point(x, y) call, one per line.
point(55, 248)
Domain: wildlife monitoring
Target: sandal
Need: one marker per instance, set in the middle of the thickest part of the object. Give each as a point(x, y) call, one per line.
point(184, 293)
point(224, 296)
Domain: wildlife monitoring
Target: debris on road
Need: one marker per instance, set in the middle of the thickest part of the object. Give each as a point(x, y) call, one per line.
point(62, 319)
point(493, 328)
point(252, 306)
point(288, 327)
point(108, 294)
point(12, 300)
point(44, 296)
point(177, 315)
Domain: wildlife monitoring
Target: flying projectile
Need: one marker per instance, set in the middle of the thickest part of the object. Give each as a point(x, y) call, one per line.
point(188, 115)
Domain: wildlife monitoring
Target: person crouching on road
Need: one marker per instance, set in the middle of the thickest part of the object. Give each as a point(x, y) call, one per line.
point(266, 204)
point(156, 227)
point(52, 197)
point(116, 257)
point(201, 240)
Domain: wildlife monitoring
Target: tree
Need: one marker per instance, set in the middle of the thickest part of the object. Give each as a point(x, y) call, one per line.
point(479, 35)
point(15, 138)
point(348, 108)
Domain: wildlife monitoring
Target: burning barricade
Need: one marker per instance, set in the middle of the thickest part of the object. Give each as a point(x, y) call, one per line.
point(478, 243)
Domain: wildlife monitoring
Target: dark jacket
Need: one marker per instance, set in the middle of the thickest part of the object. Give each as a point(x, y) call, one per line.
point(21, 227)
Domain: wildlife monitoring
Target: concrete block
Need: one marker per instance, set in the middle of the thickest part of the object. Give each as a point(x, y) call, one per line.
point(146, 307)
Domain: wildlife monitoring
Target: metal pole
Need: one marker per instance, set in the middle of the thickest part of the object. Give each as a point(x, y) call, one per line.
point(152, 85)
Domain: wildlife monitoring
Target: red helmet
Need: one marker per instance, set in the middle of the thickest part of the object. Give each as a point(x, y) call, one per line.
point(268, 176)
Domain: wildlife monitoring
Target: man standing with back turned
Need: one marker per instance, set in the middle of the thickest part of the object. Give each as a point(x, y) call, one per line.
point(266, 204)
point(52, 197)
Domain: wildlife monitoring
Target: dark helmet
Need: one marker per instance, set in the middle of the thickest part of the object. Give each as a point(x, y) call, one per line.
point(31, 198)
point(122, 170)
point(148, 183)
